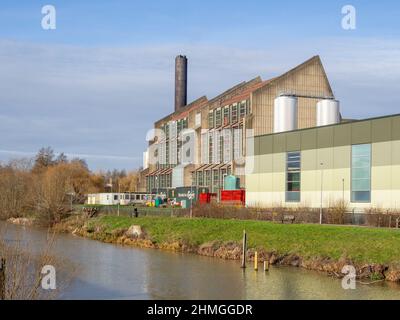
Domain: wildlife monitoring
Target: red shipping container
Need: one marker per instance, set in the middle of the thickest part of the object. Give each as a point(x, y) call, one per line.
point(204, 197)
point(233, 196)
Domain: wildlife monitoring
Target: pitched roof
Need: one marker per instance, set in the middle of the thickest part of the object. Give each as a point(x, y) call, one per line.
point(297, 68)
point(183, 112)
point(240, 92)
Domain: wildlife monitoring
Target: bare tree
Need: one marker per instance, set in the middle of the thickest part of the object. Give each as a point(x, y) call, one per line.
point(24, 265)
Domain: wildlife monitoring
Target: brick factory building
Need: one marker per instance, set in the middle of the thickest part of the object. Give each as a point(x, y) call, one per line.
point(219, 128)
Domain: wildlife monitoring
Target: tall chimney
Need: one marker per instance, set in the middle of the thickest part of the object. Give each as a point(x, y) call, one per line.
point(180, 82)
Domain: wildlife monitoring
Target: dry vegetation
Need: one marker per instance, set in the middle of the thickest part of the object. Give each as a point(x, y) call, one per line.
point(45, 187)
point(337, 213)
point(24, 263)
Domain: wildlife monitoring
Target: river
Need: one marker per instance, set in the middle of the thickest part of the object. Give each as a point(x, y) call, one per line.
point(108, 271)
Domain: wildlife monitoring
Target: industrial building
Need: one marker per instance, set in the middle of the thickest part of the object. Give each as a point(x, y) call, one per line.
point(284, 140)
point(356, 162)
point(219, 128)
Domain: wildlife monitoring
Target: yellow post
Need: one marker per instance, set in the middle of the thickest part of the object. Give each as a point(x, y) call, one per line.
point(255, 261)
point(266, 265)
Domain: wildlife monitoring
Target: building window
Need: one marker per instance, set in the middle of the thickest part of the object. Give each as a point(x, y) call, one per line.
point(248, 110)
point(221, 147)
point(234, 113)
point(237, 143)
point(211, 147)
point(218, 117)
point(179, 127)
point(227, 135)
point(361, 173)
point(216, 180)
point(242, 109)
point(226, 116)
point(211, 119)
point(167, 152)
point(200, 178)
point(293, 165)
point(208, 178)
point(204, 148)
point(194, 178)
point(184, 123)
point(222, 177)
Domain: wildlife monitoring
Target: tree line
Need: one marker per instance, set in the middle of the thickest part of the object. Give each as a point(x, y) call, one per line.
point(46, 185)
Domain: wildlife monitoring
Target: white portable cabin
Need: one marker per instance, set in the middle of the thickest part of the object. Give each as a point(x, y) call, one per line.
point(118, 198)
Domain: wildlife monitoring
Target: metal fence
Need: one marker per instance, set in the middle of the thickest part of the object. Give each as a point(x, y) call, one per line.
point(329, 216)
point(334, 217)
point(128, 211)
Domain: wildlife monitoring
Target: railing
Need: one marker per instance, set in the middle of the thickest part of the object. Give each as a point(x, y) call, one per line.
point(329, 216)
point(129, 211)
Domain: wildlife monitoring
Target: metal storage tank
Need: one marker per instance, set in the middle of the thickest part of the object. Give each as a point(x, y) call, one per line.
point(285, 114)
point(231, 183)
point(328, 112)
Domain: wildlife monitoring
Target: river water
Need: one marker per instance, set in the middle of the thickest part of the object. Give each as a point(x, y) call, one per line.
point(108, 271)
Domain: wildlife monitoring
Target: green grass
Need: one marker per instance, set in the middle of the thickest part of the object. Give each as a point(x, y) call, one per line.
point(362, 245)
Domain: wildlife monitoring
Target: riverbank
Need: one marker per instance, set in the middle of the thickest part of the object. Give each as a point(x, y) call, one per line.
point(374, 252)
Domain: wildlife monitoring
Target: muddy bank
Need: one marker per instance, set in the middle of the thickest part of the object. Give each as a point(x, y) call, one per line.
point(137, 237)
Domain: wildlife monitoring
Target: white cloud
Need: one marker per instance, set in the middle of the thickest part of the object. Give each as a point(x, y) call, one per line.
point(99, 100)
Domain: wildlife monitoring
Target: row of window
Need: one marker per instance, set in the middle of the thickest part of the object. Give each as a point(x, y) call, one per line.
point(213, 179)
point(221, 146)
point(229, 114)
point(360, 174)
point(159, 181)
point(172, 129)
point(128, 197)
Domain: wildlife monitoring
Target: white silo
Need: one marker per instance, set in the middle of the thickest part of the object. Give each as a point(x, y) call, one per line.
point(285, 114)
point(328, 112)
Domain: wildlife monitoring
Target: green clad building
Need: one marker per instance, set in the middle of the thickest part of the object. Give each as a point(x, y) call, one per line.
point(357, 162)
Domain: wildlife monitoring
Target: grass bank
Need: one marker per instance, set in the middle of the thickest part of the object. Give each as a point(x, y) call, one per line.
point(360, 244)
point(374, 252)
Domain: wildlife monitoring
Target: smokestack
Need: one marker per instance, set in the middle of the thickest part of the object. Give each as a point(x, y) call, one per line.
point(180, 82)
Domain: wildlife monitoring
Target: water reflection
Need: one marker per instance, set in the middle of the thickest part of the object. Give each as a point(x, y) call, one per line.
point(108, 271)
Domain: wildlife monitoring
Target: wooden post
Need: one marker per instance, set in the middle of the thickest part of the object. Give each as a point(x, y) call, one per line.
point(244, 249)
point(2, 279)
point(266, 265)
point(255, 261)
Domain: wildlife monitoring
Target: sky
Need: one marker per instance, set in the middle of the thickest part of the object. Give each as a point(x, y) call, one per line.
point(94, 86)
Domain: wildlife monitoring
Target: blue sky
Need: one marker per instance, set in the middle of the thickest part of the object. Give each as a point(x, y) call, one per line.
point(94, 86)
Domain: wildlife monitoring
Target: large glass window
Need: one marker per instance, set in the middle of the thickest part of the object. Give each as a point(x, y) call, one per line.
point(184, 123)
point(166, 131)
point(293, 175)
point(361, 173)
